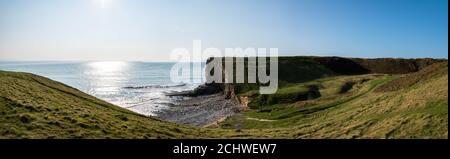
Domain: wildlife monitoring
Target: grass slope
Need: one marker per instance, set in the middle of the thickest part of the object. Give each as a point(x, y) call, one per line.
point(36, 107)
point(418, 110)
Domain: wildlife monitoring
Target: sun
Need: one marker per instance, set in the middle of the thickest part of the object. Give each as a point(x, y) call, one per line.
point(104, 3)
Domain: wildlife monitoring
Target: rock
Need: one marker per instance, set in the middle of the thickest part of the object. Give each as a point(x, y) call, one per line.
point(202, 90)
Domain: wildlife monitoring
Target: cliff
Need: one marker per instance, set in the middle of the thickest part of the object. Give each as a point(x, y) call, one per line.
point(306, 68)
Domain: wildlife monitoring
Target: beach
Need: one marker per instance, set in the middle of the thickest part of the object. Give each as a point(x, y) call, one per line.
point(201, 111)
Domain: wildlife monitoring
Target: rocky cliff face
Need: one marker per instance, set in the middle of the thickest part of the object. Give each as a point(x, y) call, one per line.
point(303, 69)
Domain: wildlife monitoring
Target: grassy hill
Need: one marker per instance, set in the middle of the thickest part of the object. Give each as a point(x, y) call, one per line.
point(361, 106)
point(374, 105)
point(35, 107)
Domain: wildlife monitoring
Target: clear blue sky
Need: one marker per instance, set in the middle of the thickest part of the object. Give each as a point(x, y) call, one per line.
point(150, 29)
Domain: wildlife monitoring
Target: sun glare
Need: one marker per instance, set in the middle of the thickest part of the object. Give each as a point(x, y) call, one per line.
point(104, 3)
point(107, 67)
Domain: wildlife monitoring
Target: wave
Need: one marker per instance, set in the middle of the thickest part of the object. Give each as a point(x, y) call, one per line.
point(156, 86)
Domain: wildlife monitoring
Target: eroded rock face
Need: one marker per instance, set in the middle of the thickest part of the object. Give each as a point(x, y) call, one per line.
point(208, 89)
point(245, 101)
point(202, 90)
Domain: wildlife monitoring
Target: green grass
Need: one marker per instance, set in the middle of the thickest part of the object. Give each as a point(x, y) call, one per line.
point(360, 113)
point(285, 114)
point(287, 94)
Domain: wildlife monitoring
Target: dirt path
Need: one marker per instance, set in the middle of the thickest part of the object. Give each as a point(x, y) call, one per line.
point(262, 120)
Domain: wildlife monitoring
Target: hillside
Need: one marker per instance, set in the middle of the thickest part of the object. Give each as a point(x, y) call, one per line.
point(369, 105)
point(414, 105)
point(36, 107)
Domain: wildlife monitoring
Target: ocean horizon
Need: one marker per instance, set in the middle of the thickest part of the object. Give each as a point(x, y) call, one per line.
point(137, 86)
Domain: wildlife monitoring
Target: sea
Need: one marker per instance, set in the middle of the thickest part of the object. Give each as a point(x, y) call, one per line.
point(138, 86)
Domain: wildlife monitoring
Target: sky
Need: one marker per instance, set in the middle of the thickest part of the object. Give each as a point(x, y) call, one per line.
point(148, 30)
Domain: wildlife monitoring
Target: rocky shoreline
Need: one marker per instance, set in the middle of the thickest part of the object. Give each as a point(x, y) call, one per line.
point(205, 106)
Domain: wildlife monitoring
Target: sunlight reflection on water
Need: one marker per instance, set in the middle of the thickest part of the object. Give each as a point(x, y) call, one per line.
point(111, 81)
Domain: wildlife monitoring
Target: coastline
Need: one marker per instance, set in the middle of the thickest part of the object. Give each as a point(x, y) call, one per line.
point(44, 108)
point(203, 107)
